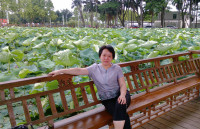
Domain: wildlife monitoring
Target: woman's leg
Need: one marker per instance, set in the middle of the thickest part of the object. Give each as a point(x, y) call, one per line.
point(112, 107)
point(120, 117)
point(119, 124)
point(127, 124)
point(118, 111)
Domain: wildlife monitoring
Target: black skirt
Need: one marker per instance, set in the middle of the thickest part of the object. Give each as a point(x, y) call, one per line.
point(117, 110)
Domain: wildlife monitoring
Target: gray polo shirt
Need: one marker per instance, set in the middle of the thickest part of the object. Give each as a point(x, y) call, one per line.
point(106, 81)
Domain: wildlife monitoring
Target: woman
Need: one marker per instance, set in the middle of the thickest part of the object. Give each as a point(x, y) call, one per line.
point(109, 80)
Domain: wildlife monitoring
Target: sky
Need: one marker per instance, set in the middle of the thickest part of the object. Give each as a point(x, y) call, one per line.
point(62, 4)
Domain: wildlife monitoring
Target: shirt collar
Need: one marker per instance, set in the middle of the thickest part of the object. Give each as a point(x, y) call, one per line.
point(104, 68)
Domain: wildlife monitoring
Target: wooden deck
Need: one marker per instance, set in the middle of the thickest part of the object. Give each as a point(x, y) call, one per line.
point(186, 116)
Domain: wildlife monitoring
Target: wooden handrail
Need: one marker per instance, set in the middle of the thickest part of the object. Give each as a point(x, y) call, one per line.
point(195, 51)
point(31, 80)
point(153, 59)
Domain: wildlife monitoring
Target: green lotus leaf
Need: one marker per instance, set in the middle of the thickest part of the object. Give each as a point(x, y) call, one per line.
point(5, 57)
point(11, 36)
point(24, 72)
point(27, 42)
point(40, 45)
point(34, 39)
point(45, 103)
point(7, 77)
point(39, 85)
point(148, 44)
point(59, 42)
point(5, 49)
point(52, 85)
point(53, 42)
point(17, 55)
point(131, 47)
point(66, 58)
point(47, 64)
point(194, 48)
point(164, 47)
point(67, 46)
point(153, 54)
point(121, 46)
point(133, 41)
point(89, 53)
point(71, 37)
point(95, 48)
point(48, 34)
point(81, 44)
point(177, 45)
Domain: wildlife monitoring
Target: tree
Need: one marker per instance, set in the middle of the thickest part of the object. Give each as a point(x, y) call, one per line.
point(49, 10)
point(153, 8)
point(190, 9)
point(109, 10)
point(123, 9)
point(137, 7)
point(90, 8)
point(178, 4)
point(182, 6)
point(193, 7)
point(4, 8)
point(78, 4)
point(197, 8)
point(163, 9)
point(66, 14)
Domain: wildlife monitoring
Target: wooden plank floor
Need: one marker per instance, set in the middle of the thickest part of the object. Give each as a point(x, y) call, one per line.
point(186, 116)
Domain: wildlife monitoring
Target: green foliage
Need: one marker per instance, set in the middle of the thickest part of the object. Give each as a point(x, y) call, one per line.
point(36, 51)
point(5, 57)
point(24, 72)
point(66, 58)
point(31, 52)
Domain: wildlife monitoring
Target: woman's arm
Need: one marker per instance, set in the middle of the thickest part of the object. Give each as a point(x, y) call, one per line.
point(71, 71)
point(123, 89)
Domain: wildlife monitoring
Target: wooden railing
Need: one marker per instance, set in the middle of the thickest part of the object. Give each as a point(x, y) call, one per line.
point(142, 76)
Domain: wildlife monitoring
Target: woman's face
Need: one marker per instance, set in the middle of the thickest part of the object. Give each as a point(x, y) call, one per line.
point(106, 57)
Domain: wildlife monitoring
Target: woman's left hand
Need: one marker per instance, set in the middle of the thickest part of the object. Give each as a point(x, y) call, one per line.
point(122, 99)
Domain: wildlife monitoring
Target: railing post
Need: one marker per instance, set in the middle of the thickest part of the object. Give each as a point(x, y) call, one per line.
point(134, 67)
point(175, 59)
point(190, 55)
point(157, 63)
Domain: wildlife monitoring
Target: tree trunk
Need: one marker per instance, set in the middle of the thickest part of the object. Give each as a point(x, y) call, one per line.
point(152, 18)
point(91, 18)
point(141, 14)
point(136, 18)
point(183, 20)
point(123, 14)
point(162, 19)
point(131, 17)
point(196, 15)
point(190, 16)
point(179, 19)
point(81, 14)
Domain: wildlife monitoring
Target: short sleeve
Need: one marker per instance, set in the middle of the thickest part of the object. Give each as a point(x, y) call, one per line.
point(91, 69)
point(119, 73)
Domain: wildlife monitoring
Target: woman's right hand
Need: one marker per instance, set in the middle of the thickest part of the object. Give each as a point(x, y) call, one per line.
point(55, 73)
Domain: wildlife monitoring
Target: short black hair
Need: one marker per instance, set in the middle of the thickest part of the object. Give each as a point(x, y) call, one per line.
point(109, 48)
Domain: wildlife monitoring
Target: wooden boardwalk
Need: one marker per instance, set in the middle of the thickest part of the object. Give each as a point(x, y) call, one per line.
point(186, 116)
